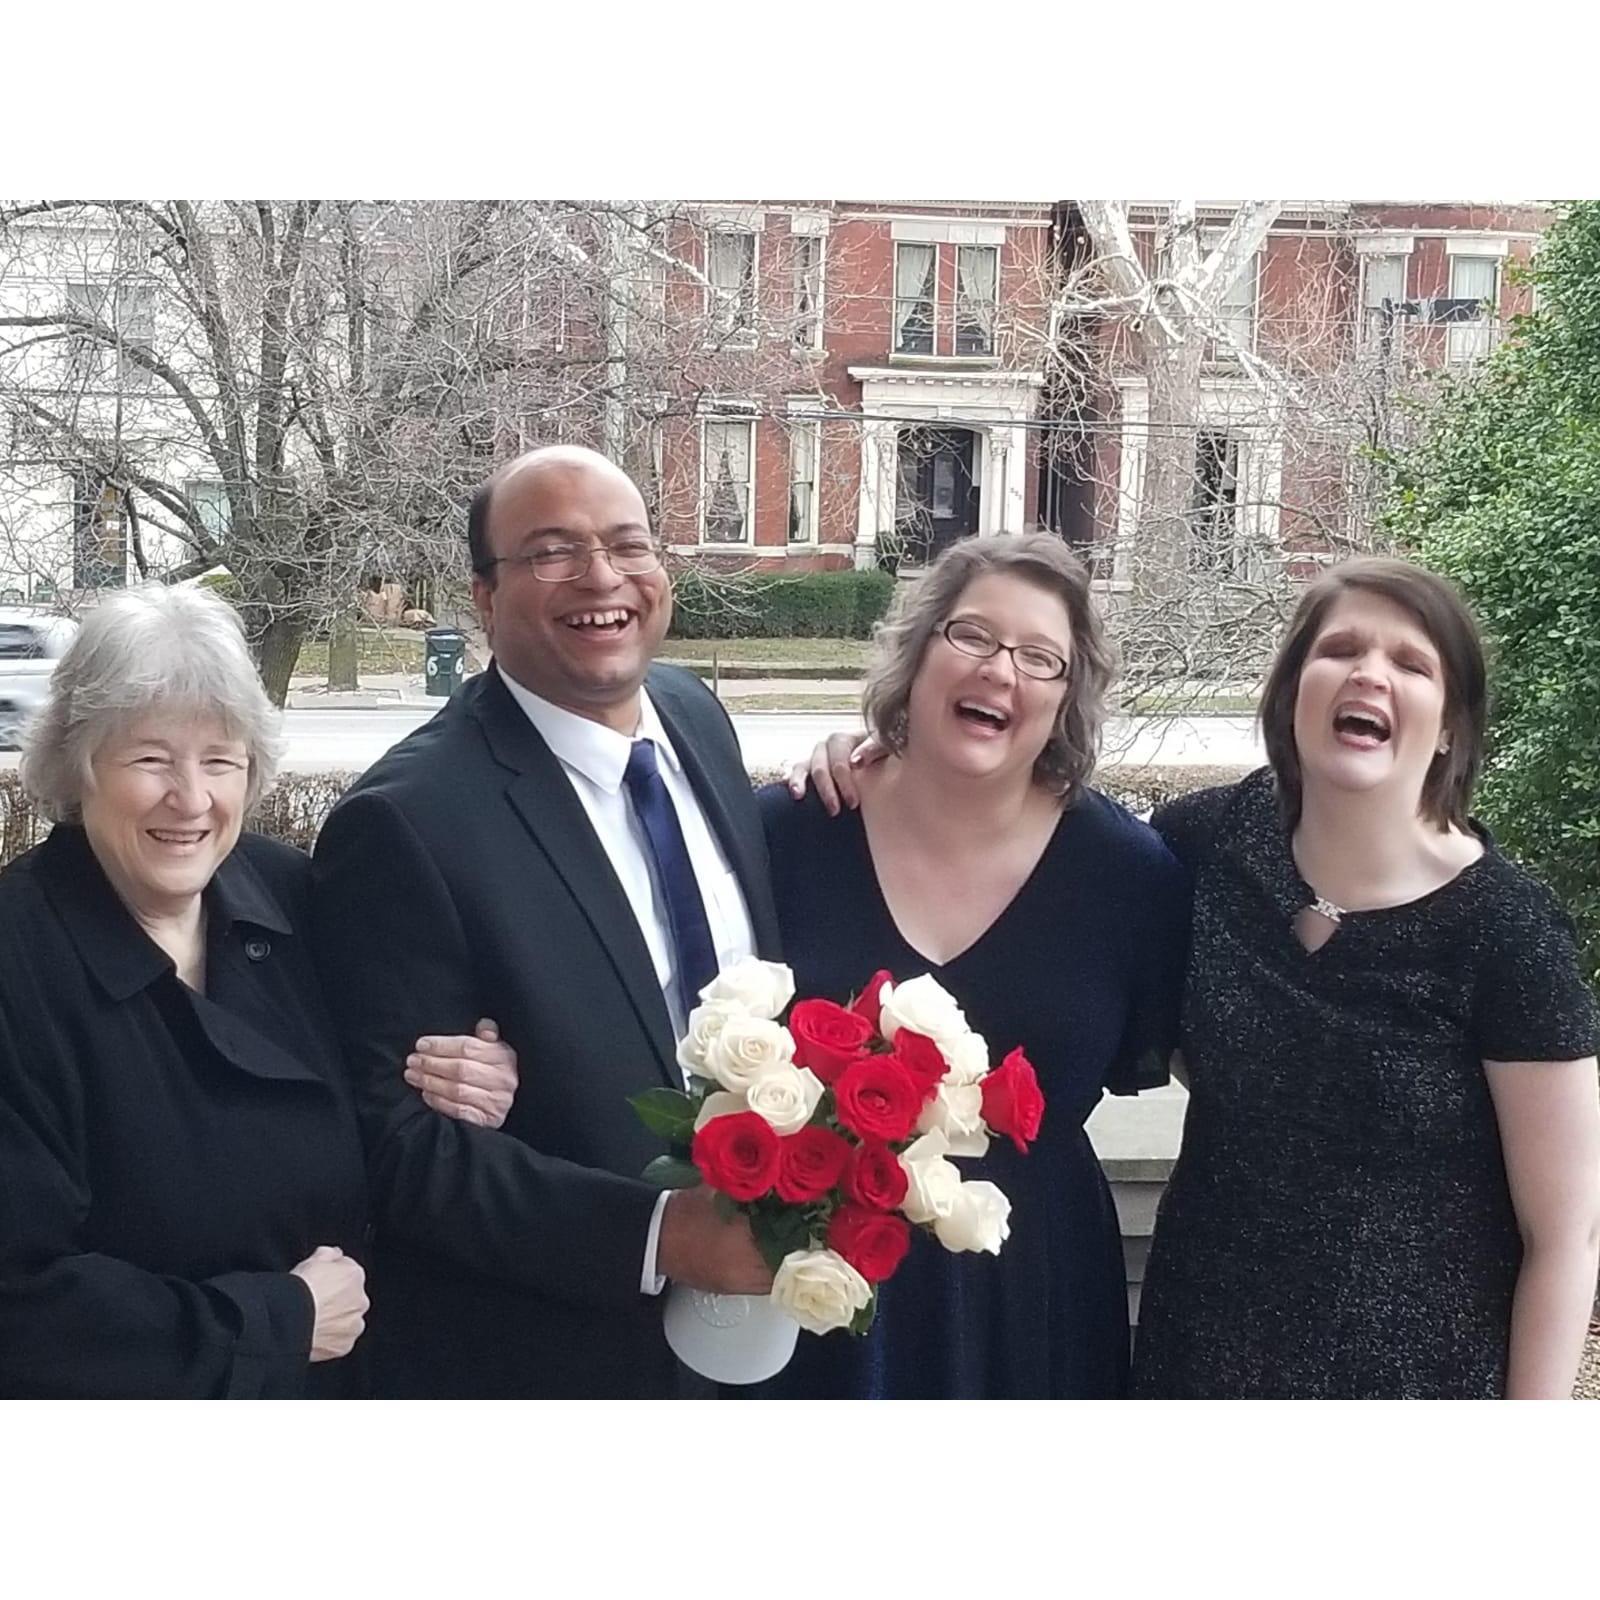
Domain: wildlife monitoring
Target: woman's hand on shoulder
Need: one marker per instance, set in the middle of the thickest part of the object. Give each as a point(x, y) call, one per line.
point(470, 1077)
point(833, 770)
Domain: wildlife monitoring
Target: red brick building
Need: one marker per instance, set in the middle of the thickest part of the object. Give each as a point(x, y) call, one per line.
point(868, 372)
point(857, 382)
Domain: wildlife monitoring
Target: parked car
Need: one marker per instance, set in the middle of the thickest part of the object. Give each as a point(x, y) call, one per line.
point(31, 642)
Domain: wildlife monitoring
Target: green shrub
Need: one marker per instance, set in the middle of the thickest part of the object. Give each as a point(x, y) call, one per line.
point(1503, 496)
point(812, 605)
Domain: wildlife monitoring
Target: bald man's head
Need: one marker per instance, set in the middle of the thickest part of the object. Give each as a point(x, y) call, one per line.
point(565, 458)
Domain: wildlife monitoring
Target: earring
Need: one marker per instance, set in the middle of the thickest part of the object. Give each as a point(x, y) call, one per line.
point(1444, 749)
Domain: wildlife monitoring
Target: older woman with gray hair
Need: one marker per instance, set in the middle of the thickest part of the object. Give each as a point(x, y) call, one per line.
point(182, 1199)
point(980, 853)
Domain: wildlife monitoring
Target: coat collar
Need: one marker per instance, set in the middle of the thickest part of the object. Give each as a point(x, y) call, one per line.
point(116, 950)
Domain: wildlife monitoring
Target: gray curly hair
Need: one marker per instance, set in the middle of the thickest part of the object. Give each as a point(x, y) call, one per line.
point(920, 609)
point(151, 648)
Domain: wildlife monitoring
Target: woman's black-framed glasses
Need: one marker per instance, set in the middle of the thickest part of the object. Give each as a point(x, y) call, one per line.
point(631, 556)
point(1031, 660)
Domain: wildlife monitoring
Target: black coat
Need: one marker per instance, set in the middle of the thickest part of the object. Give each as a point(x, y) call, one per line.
point(166, 1157)
point(460, 878)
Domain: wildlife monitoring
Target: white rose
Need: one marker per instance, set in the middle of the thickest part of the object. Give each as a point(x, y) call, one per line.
point(819, 1289)
point(705, 1023)
point(979, 1220)
point(967, 1057)
point(719, 1104)
point(786, 1097)
point(956, 1111)
point(759, 988)
point(923, 1007)
point(745, 1049)
point(931, 1181)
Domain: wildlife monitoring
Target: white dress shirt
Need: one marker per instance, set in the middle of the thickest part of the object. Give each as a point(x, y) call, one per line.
point(594, 758)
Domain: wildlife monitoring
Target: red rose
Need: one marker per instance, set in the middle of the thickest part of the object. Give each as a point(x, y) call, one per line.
point(827, 1038)
point(869, 1003)
point(877, 1098)
point(873, 1242)
point(875, 1179)
point(810, 1163)
point(1012, 1101)
point(738, 1154)
point(922, 1058)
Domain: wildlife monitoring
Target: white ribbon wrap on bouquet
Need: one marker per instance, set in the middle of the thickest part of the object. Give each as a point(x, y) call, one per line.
point(729, 1338)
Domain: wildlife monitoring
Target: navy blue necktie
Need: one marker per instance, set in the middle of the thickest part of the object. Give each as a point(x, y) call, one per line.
point(691, 932)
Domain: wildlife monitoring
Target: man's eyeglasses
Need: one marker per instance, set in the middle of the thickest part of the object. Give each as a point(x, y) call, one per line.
point(629, 557)
point(1031, 660)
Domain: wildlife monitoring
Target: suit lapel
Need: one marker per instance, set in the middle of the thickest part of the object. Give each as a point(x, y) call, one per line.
point(743, 846)
point(544, 800)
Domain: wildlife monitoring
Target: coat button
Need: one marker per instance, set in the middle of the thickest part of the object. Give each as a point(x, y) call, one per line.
point(257, 949)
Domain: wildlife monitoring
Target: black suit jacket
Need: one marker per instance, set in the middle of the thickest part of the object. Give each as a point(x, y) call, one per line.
point(166, 1157)
point(462, 878)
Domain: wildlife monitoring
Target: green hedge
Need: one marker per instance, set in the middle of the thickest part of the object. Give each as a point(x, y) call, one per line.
point(814, 605)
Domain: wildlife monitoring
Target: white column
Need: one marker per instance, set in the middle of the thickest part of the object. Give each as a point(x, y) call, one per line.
point(875, 504)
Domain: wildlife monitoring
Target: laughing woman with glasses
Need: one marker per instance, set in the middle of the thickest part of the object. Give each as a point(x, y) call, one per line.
point(980, 854)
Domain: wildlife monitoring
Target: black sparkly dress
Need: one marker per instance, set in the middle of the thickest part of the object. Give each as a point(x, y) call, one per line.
point(1339, 1224)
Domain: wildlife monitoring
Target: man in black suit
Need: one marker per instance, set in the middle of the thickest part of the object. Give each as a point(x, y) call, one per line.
point(521, 856)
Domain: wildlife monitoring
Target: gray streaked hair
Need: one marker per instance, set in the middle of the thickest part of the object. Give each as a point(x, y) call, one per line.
point(149, 649)
point(920, 609)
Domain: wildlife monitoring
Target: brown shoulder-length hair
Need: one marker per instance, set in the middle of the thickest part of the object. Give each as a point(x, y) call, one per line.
point(1449, 625)
point(920, 609)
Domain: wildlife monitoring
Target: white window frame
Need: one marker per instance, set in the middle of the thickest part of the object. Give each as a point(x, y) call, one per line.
point(805, 427)
point(91, 364)
point(895, 301)
point(1210, 237)
point(797, 243)
point(994, 305)
point(192, 485)
point(730, 418)
point(1368, 337)
point(1466, 342)
point(735, 336)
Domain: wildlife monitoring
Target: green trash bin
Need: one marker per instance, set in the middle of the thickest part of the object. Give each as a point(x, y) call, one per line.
point(444, 661)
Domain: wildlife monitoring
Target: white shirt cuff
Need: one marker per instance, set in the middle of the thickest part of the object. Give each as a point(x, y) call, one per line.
point(651, 1281)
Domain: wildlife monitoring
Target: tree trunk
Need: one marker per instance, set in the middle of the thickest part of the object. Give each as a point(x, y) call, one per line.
point(342, 662)
point(1162, 553)
point(277, 651)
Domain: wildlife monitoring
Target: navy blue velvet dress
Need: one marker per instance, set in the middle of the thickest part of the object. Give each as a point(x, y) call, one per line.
point(1084, 970)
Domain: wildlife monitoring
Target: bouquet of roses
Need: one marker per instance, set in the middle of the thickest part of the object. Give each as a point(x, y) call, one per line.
point(834, 1133)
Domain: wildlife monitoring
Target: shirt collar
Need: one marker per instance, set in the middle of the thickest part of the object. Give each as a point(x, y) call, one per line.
point(122, 956)
point(599, 753)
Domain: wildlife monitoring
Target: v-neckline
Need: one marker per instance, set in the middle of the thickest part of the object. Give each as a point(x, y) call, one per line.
point(984, 934)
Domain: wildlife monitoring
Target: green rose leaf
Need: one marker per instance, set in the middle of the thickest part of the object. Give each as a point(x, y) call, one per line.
point(667, 1112)
point(672, 1172)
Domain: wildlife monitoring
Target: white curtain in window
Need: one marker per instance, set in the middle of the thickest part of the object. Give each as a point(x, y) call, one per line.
point(977, 269)
point(913, 294)
point(1384, 279)
point(727, 481)
point(1473, 278)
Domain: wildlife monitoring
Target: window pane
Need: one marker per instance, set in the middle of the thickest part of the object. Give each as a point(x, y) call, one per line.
point(727, 482)
point(1385, 279)
point(1473, 278)
point(803, 450)
point(731, 261)
point(913, 298)
point(807, 290)
point(977, 273)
